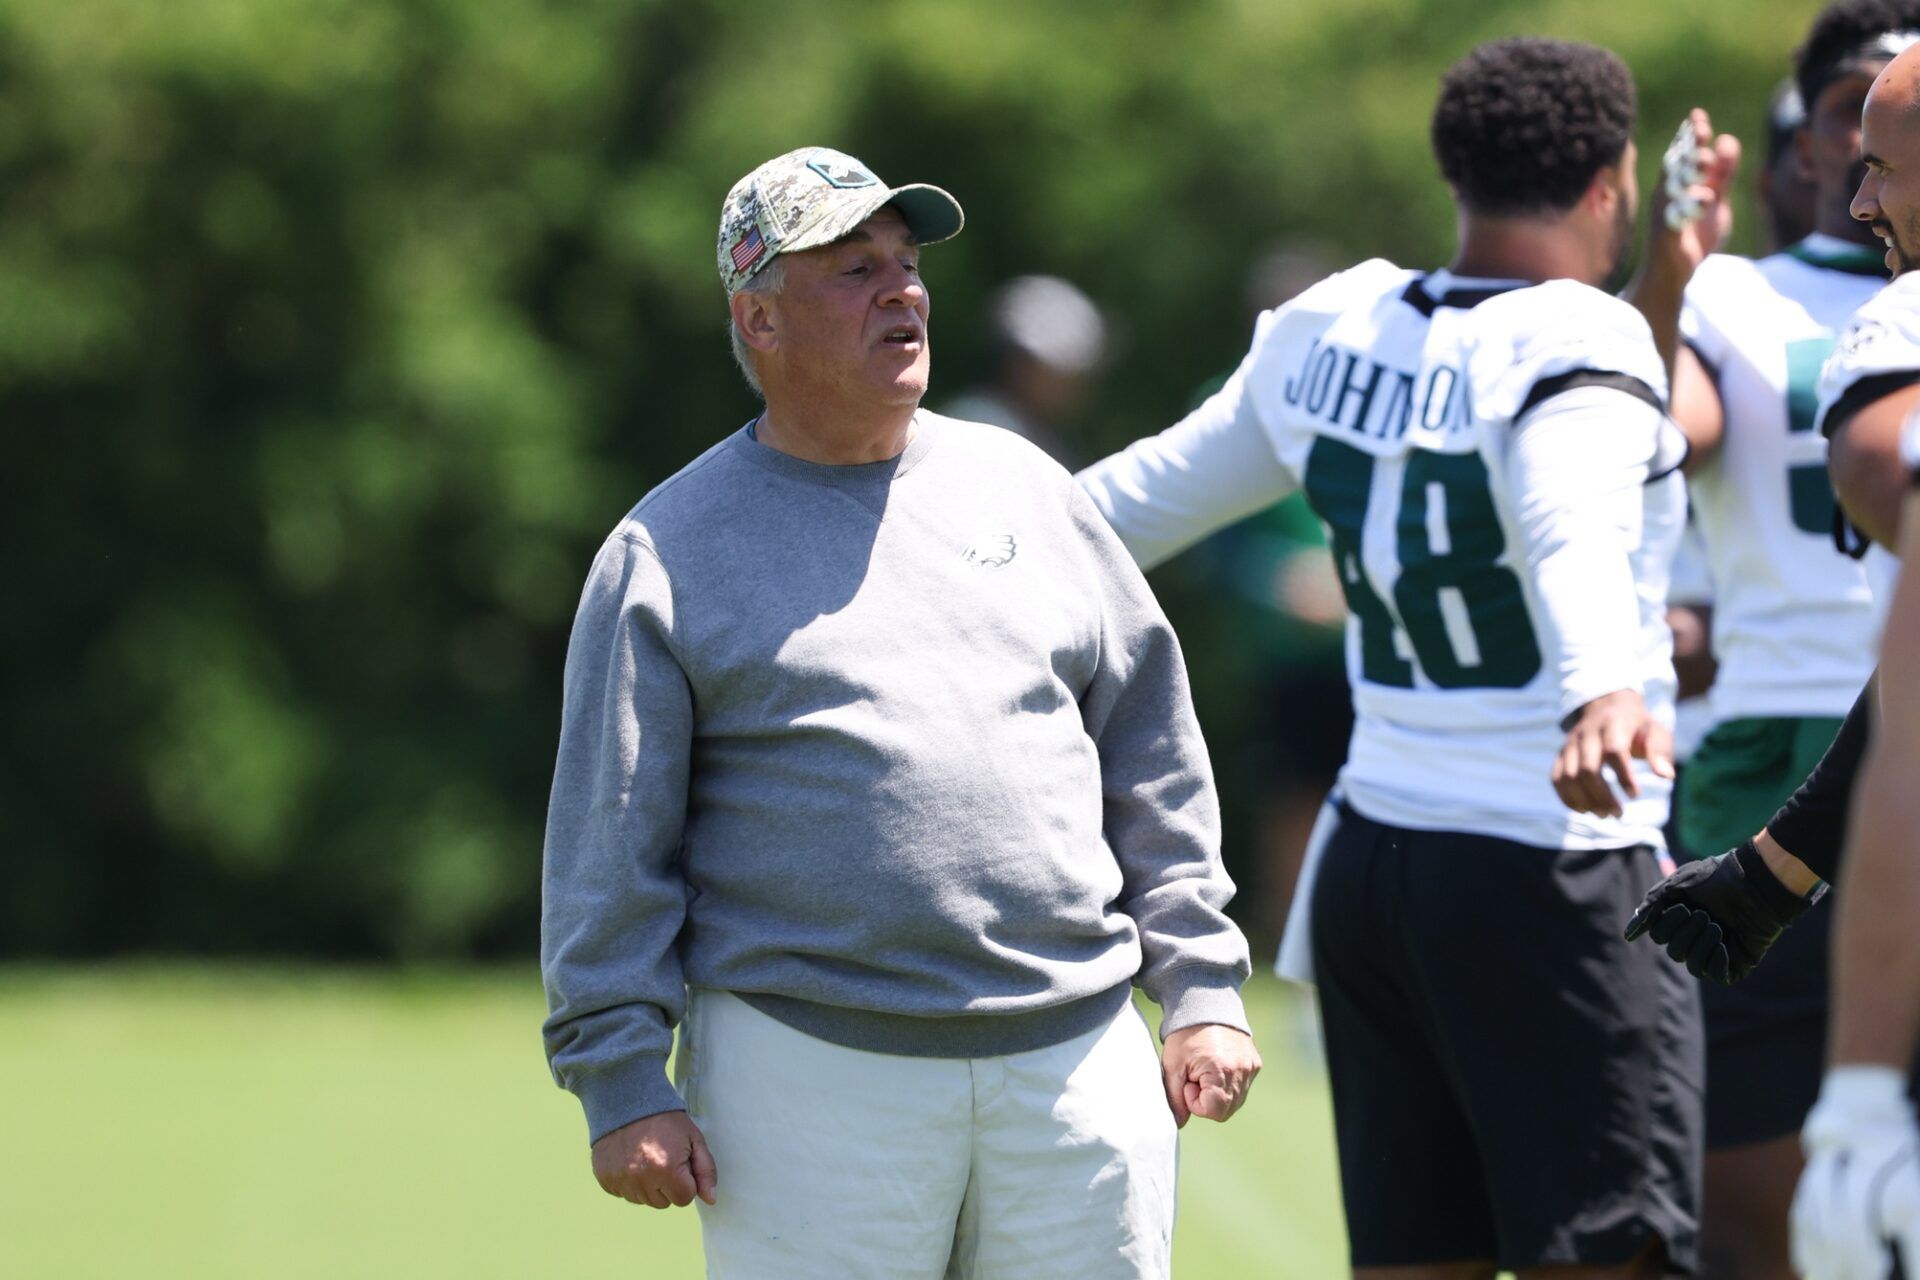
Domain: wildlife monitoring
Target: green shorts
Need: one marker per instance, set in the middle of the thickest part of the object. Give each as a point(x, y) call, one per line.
point(1742, 773)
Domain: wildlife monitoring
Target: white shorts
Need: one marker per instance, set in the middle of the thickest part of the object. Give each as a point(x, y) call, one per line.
point(843, 1164)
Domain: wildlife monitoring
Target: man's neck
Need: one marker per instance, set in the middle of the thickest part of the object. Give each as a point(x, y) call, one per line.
point(1518, 249)
point(840, 436)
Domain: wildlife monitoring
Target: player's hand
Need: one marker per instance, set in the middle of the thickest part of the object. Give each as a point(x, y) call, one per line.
point(657, 1161)
point(1207, 1071)
point(1860, 1191)
point(1610, 732)
point(1719, 915)
point(1692, 209)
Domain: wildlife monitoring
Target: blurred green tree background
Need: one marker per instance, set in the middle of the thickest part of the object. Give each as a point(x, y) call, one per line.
point(335, 334)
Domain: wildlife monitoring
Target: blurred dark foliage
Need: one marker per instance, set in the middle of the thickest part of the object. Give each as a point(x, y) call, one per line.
point(334, 335)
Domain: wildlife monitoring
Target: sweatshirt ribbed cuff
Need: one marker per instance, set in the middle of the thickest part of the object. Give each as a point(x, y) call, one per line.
point(619, 1095)
point(1200, 994)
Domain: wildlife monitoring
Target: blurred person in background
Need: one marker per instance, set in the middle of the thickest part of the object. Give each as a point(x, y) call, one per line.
point(879, 777)
point(1794, 619)
point(1786, 191)
point(1787, 202)
point(1487, 445)
point(1045, 342)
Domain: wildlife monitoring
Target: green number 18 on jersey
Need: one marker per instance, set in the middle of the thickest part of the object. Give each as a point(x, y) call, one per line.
point(1463, 613)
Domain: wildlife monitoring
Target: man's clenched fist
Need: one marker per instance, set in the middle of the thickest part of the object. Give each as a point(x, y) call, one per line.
point(657, 1161)
point(1207, 1071)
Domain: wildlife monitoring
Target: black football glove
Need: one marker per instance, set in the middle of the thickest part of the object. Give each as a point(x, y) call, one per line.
point(1719, 915)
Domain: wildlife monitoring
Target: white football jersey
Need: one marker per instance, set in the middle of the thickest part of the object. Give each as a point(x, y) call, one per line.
point(1794, 622)
point(1392, 398)
point(1878, 351)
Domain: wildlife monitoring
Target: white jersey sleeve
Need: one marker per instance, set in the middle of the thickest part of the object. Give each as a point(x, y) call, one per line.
point(1219, 464)
point(1215, 466)
point(1575, 473)
point(1580, 392)
point(1878, 353)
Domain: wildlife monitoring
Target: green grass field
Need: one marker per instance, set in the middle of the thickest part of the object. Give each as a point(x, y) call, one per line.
point(225, 1122)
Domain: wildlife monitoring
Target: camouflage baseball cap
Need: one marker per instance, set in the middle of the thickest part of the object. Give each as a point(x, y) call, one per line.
point(811, 197)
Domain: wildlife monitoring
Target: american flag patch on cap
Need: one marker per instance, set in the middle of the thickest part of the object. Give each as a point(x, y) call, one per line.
point(747, 250)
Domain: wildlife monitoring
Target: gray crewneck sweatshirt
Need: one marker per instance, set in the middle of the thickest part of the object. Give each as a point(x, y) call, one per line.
point(902, 754)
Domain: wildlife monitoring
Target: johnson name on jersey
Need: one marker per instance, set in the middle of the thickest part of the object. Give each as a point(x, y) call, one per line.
point(1794, 620)
point(1494, 583)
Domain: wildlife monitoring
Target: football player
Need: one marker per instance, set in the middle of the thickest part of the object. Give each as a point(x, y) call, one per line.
point(1514, 1086)
point(1794, 620)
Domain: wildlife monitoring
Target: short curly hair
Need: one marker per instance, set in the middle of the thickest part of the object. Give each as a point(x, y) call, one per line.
point(1523, 124)
point(1842, 27)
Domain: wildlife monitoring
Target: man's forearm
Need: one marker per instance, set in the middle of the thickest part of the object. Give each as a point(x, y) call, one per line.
point(1812, 825)
point(1656, 293)
point(1165, 492)
point(1792, 873)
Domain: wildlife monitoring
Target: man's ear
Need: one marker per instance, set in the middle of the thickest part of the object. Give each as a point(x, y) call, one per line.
point(1606, 191)
point(753, 317)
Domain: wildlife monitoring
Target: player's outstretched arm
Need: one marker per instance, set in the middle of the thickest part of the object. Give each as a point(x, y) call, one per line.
point(1165, 492)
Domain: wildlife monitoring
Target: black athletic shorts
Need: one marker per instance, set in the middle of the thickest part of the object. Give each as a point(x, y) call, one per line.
point(1511, 1079)
point(1767, 1037)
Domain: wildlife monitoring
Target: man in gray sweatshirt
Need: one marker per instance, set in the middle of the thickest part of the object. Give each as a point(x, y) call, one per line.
point(879, 778)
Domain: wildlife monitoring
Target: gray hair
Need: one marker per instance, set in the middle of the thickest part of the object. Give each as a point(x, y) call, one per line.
point(768, 280)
